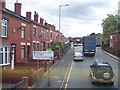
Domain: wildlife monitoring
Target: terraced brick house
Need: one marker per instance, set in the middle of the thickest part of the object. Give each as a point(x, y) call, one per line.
point(20, 35)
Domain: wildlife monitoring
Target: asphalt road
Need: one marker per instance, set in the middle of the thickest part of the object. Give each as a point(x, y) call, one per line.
point(70, 74)
point(79, 72)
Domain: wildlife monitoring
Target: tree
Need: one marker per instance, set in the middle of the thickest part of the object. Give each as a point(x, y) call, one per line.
point(54, 46)
point(109, 24)
point(62, 46)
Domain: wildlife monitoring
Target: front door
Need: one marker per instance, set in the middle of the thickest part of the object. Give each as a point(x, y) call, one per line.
point(13, 62)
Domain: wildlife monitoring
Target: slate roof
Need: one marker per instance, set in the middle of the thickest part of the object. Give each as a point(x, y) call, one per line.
point(21, 17)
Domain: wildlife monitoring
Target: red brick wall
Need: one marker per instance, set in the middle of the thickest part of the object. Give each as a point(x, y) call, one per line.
point(15, 37)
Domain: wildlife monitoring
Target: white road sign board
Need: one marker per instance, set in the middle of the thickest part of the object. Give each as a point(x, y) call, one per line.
point(43, 55)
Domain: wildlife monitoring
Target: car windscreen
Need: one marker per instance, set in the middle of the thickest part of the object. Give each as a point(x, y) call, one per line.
point(78, 54)
point(104, 69)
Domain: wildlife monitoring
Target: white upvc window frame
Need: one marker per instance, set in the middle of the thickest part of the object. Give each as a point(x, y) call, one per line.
point(23, 54)
point(23, 32)
point(5, 25)
point(4, 57)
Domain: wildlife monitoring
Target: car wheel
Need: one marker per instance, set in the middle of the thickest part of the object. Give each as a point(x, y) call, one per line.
point(93, 82)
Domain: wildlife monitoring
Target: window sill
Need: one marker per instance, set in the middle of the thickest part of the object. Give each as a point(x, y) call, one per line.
point(4, 37)
point(4, 64)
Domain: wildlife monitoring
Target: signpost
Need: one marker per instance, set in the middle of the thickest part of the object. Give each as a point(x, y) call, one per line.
point(44, 55)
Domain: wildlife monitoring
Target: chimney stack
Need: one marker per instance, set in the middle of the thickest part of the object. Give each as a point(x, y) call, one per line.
point(49, 25)
point(3, 4)
point(53, 27)
point(41, 21)
point(18, 8)
point(35, 16)
point(28, 15)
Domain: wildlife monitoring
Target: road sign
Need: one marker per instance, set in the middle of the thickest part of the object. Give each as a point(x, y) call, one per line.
point(43, 55)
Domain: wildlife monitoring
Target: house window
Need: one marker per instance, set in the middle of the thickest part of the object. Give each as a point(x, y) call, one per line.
point(4, 27)
point(22, 32)
point(41, 45)
point(44, 34)
point(4, 56)
point(41, 34)
point(38, 46)
point(51, 35)
point(22, 51)
point(34, 46)
point(34, 32)
point(47, 34)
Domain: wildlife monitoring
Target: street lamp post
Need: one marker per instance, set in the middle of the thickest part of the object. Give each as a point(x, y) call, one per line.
point(60, 21)
point(60, 15)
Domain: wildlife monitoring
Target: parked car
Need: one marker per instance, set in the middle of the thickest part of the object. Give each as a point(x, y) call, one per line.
point(78, 56)
point(102, 73)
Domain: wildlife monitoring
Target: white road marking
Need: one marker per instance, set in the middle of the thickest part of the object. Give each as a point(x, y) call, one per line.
point(56, 77)
point(114, 59)
point(111, 56)
point(69, 75)
point(59, 81)
point(65, 76)
point(96, 60)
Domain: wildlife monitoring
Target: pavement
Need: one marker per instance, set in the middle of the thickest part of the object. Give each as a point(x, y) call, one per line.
point(111, 55)
point(56, 75)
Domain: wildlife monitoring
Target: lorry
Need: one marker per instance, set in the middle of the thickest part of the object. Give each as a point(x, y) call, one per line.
point(89, 45)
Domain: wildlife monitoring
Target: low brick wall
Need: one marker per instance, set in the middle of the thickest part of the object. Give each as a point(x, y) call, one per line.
point(115, 52)
point(15, 77)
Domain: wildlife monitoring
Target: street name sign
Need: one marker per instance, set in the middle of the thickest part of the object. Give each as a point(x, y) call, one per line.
point(43, 55)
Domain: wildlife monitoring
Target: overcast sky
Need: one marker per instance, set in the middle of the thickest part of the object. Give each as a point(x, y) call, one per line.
point(80, 18)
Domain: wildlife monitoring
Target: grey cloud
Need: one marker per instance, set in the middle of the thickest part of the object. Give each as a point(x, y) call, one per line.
point(83, 10)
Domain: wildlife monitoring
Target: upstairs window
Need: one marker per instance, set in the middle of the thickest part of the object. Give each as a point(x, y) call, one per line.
point(34, 32)
point(41, 33)
point(4, 27)
point(23, 32)
point(51, 35)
